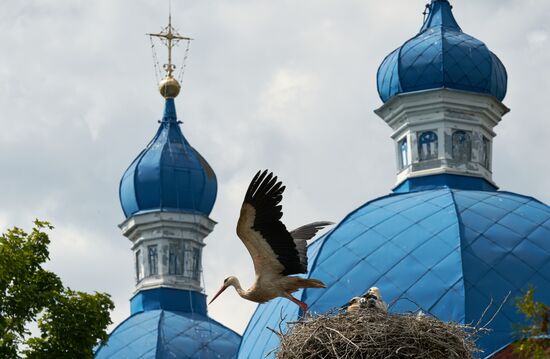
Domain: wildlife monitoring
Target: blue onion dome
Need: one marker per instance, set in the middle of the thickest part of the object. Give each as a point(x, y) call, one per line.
point(169, 174)
point(170, 323)
point(442, 56)
point(452, 249)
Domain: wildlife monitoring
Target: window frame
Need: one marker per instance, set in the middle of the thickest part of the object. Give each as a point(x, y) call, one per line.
point(173, 259)
point(465, 145)
point(432, 151)
point(139, 272)
point(152, 259)
point(196, 263)
point(403, 153)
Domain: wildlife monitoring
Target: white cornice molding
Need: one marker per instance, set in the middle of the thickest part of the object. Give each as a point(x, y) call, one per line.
point(433, 105)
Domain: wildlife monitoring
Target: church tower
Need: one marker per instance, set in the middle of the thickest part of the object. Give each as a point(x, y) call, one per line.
point(442, 93)
point(167, 194)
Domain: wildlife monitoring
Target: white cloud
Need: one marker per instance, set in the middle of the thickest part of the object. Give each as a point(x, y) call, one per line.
point(537, 38)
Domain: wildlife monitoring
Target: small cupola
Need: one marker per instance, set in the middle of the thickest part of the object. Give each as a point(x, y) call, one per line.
point(442, 93)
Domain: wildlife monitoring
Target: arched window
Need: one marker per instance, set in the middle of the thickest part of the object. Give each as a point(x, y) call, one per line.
point(196, 263)
point(152, 259)
point(462, 146)
point(172, 259)
point(188, 262)
point(175, 264)
point(427, 146)
point(403, 154)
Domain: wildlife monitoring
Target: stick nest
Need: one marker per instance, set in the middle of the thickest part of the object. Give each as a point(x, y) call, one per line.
point(373, 334)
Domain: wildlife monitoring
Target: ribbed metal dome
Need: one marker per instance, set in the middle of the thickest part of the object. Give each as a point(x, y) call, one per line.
point(442, 56)
point(450, 249)
point(168, 174)
point(170, 323)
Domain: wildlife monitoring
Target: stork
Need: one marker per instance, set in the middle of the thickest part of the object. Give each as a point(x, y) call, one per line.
point(355, 304)
point(374, 299)
point(276, 253)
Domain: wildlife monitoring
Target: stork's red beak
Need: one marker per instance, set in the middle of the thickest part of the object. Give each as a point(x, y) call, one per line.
point(217, 294)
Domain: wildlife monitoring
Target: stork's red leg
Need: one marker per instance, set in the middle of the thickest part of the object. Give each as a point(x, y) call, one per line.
point(300, 304)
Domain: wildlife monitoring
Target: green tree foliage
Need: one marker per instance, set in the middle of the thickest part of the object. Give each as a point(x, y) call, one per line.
point(531, 345)
point(71, 326)
point(71, 322)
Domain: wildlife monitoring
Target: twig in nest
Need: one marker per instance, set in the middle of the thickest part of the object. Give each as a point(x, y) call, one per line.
point(497, 311)
point(343, 336)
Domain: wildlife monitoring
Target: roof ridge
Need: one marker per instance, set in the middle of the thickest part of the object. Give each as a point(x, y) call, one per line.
point(461, 236)
point(158, 352)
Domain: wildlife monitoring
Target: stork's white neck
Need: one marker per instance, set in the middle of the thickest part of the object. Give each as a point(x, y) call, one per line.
point(235, 283)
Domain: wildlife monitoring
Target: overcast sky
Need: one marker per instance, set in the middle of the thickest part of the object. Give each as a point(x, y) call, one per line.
point(285, 85)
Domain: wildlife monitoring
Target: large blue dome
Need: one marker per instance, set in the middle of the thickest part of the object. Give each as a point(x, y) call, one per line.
point(442, 56)
point(169, 323)
point(451, 247)
point(168, 174)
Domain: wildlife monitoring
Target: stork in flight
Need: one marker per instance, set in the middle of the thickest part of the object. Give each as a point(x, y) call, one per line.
point(276, 253)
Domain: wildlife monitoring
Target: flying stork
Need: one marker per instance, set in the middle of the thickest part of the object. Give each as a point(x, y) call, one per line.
point(276, 253)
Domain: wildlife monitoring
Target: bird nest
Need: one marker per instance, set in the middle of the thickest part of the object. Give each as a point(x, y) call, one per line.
point(375, 334)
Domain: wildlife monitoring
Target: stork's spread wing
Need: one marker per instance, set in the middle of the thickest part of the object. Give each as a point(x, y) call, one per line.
point(303, 234)
point(308, 231)
point(272, 248)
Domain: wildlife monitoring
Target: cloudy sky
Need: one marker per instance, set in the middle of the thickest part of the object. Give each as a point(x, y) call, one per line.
point(285, 85)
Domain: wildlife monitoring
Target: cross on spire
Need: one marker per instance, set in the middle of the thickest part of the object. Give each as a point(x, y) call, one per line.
point(170, 37)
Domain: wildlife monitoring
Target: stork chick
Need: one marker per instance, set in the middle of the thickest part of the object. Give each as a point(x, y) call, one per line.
point(355, 304)
point(374, 299)
point(276, 253)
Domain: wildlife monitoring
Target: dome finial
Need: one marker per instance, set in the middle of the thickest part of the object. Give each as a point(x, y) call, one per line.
point(440, 14)
point(169, 87)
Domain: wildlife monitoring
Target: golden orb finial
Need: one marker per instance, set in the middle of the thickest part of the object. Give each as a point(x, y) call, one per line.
point(169, 87)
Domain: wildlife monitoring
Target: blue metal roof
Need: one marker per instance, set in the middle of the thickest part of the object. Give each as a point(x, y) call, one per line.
point(448, 249)
point(442, 56)
point(175, 300)
point(424, 183)
point(168, 174)
point(170, 323)
point(166, 334)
